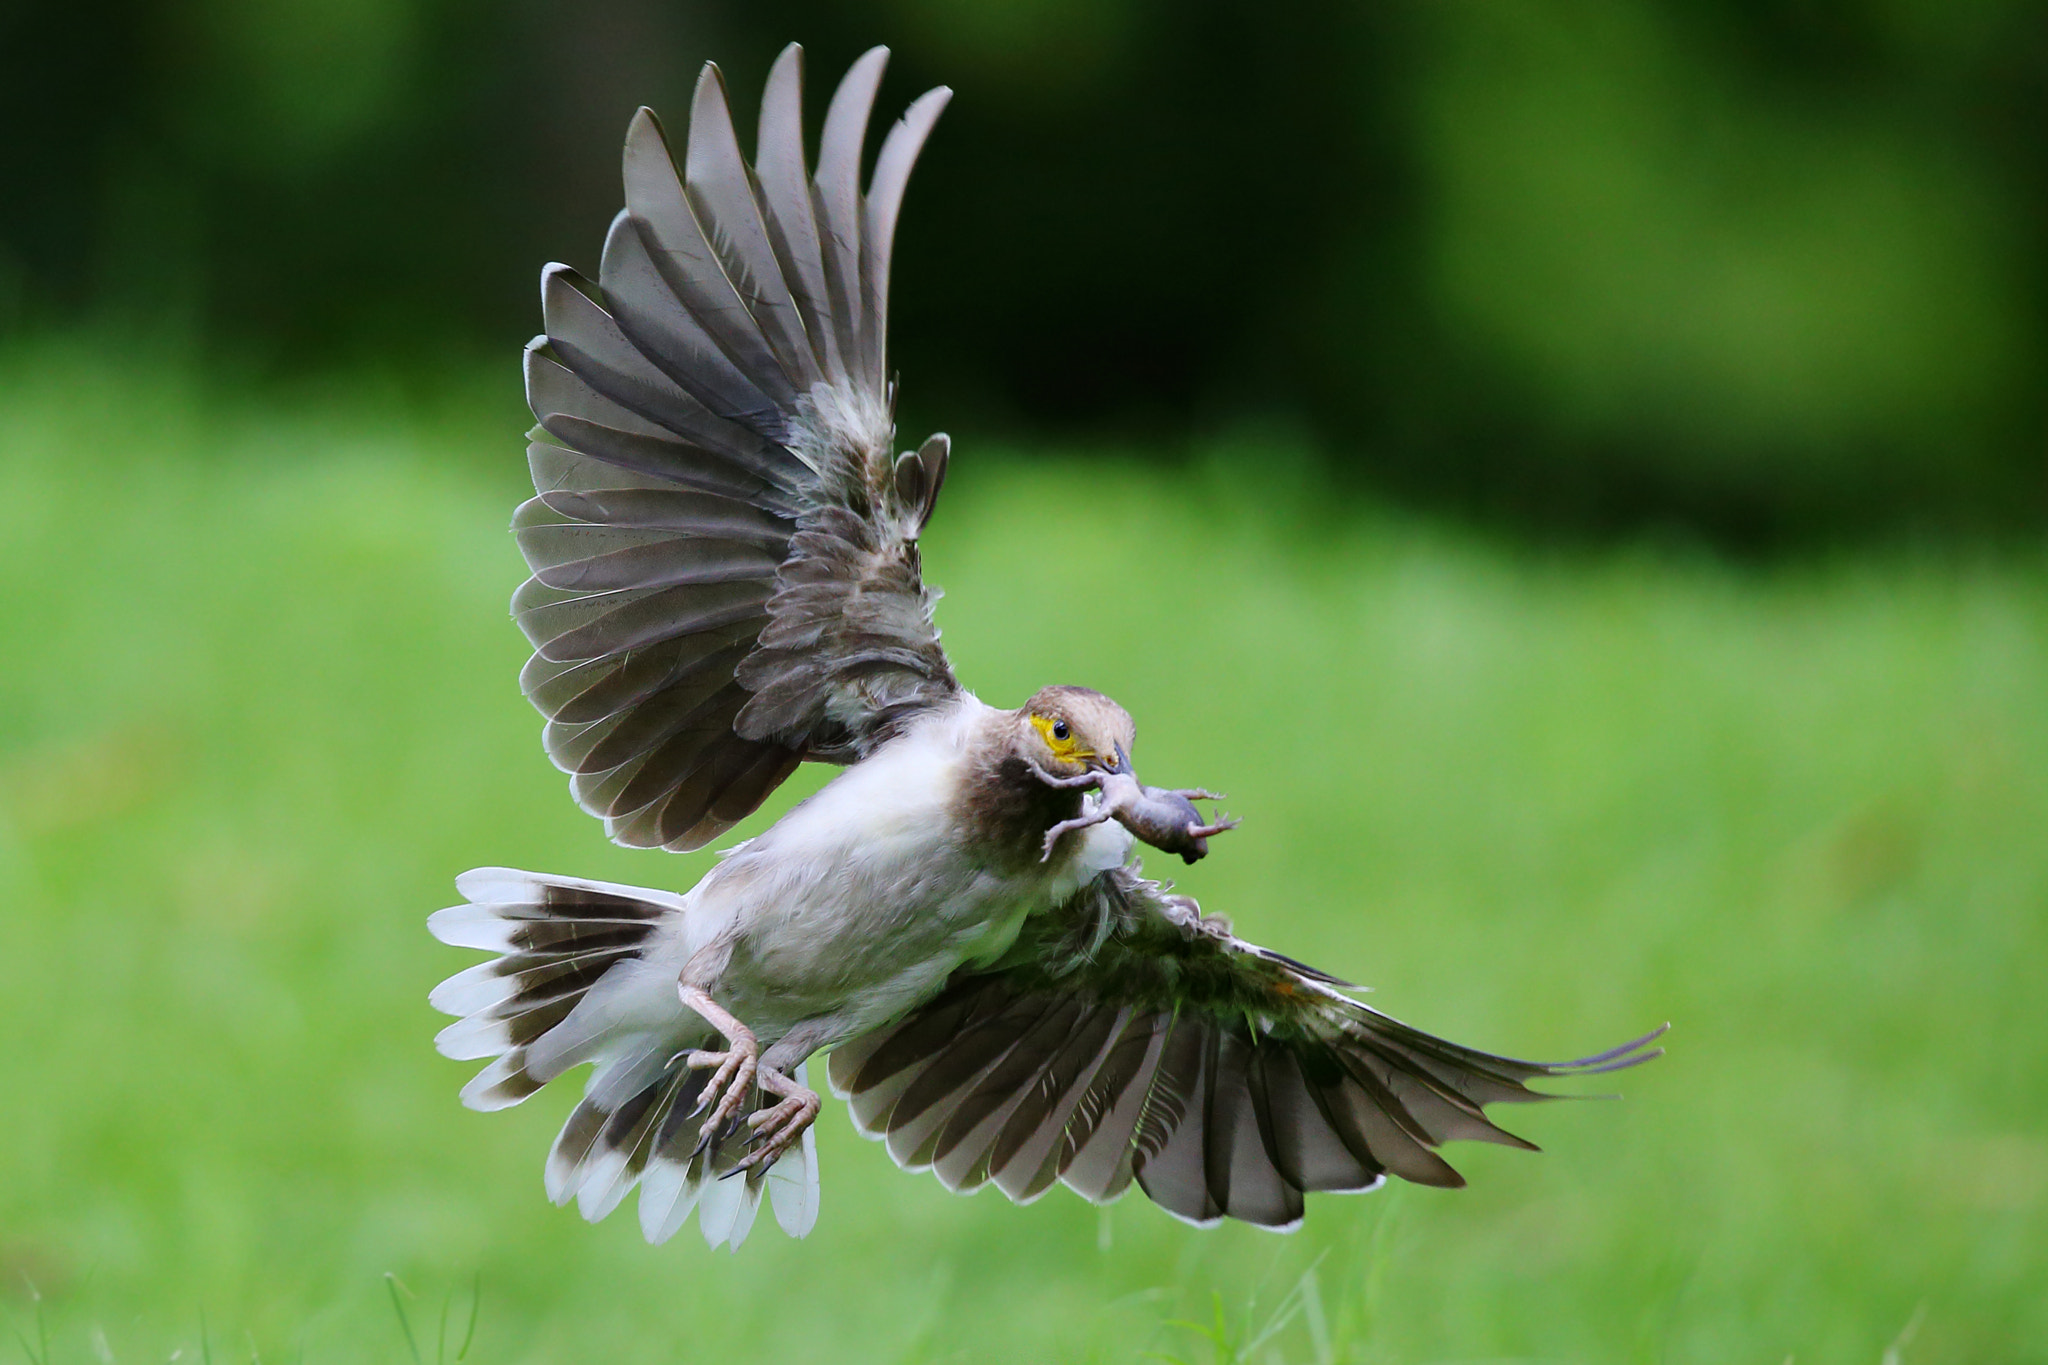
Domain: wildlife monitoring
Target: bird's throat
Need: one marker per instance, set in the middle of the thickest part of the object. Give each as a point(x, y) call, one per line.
point(1009, 809)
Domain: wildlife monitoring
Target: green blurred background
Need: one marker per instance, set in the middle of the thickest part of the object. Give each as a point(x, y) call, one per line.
point(1573, 472)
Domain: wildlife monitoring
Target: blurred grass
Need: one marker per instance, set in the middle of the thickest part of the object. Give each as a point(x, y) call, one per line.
point(259, 709)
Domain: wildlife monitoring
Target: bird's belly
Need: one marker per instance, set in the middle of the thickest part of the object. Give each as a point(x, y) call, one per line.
point(861, 901)
point(865, 944)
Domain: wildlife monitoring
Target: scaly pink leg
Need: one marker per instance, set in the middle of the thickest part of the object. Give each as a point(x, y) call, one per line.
point(737, 1067)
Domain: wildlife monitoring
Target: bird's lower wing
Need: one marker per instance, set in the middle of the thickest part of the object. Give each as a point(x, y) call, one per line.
point(1128, 1038)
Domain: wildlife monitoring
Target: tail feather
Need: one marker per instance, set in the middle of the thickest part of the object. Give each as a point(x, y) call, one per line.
point(563, 991)
point(651, 1140)
point(500, 1085)
point(725, 1211)
point(793, 1181)
point(557, 938)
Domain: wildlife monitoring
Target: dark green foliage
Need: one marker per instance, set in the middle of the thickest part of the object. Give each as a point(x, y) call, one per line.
point(1765, 269)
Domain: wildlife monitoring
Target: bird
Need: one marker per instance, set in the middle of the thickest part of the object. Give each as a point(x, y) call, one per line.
point(725, 584)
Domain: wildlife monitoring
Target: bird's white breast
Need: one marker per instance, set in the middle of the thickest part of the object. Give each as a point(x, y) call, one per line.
point(865, 897)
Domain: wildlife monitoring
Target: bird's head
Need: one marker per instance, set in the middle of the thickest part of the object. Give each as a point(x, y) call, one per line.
point(1071, 730)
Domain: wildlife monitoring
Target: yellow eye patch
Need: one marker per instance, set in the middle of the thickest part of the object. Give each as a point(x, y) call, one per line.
point(1068, 750)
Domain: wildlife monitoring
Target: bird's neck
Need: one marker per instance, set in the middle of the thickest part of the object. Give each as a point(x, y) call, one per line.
point(1009, 809)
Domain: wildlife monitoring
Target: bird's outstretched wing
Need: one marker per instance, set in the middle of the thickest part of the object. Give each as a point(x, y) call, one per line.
point(1127, 1038)
point(724, 551)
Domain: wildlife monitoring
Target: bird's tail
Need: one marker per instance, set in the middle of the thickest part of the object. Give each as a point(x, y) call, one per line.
point(573, 983)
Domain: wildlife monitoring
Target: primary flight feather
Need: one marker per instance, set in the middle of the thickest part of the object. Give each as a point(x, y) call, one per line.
point(726, 584)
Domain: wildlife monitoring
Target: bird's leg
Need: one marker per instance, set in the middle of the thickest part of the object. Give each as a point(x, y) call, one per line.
point(737, 1067)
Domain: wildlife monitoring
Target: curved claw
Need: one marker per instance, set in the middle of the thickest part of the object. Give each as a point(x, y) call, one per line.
point(776, 1130)
point(730, 1084)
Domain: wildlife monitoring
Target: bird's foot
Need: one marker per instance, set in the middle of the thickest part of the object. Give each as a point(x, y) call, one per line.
point(733, 1071)
point(777, 1129)
point(728, 1086)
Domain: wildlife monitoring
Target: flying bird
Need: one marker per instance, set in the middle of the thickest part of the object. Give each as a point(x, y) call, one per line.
point(726, 584)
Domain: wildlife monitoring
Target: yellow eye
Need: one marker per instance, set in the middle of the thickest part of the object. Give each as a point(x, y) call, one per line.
point(1059, 737)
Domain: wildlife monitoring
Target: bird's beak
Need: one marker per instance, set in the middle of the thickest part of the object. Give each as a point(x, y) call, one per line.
point(1118, 762)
